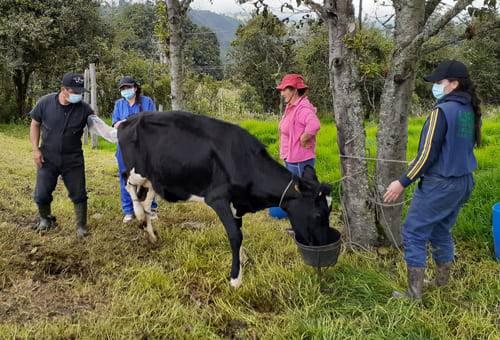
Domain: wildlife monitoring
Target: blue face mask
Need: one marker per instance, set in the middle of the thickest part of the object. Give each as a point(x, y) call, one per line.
point(74, 98)
point(128, 93)
point(438, 90)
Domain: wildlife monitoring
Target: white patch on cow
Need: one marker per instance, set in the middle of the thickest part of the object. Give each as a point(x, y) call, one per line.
point(194, 198)
point(136, 179)
point(235, 283)
point(233, 210)
point(329, 201)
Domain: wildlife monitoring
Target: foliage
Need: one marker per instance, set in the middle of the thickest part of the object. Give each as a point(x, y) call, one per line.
point(261, 54)
point(134, 24)
point(477, 44)
point(50, 36)
point(312, 63)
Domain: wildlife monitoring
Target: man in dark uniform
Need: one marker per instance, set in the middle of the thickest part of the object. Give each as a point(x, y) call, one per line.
point(61, 117)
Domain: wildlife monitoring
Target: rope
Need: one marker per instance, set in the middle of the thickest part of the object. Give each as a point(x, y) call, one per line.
point(375, 159)
point(284, 192)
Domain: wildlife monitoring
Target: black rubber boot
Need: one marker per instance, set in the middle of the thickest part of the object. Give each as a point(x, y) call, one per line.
point(81, 219)
point(47, 221)
point(415, 284)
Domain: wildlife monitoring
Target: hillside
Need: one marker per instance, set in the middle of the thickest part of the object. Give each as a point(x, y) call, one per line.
point(223, 26)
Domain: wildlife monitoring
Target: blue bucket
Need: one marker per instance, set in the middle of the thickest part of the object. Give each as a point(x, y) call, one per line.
point(496, 229)
point(277, 212)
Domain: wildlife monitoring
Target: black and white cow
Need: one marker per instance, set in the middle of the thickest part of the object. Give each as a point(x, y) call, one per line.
point(182, 156)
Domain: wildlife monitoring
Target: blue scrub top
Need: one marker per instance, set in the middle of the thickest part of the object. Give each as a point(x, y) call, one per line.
point(123, 110)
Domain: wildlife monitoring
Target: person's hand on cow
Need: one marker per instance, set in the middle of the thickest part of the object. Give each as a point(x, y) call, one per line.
point(117, 124)
point(394, 190)
point(38, 158)
point(305, 140)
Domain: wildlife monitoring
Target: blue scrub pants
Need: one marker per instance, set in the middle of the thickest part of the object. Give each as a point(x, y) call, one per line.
point(433, 212)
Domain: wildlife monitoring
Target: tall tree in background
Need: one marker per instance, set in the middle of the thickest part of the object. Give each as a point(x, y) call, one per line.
point(174, 11)
point(135, 23)
point(36, 34)
point(260, 55)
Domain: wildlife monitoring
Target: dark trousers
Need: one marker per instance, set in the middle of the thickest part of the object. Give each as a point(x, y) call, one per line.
point(73, 177)
point(432, 214)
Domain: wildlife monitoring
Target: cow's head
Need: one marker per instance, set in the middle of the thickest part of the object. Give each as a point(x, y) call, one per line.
point(309, 209)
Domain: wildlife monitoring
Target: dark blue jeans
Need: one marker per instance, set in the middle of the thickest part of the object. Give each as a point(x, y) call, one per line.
point(298, 168)
point(433, 212)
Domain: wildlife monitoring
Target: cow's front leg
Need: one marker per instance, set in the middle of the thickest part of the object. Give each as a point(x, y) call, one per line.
point(138, 209)
point(146, 204)
point(233, 230)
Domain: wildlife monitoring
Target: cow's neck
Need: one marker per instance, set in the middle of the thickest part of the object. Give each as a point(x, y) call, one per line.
point(272, 181)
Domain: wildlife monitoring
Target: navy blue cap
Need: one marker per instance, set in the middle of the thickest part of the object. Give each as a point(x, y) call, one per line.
point(448, 69)
point(74, 81)
point(126, 81)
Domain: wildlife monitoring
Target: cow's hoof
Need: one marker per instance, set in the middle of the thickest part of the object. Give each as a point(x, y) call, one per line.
point(236, 283)
point(151, 238)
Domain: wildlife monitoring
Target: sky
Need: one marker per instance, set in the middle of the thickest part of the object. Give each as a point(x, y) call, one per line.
point(231, 6)
point(371, 8)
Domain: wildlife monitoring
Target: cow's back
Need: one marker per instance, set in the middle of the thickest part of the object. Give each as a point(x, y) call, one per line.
point(185, 154)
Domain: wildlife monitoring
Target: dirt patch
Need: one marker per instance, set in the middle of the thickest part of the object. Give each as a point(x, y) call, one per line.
point(233, 328)
point(29, 300)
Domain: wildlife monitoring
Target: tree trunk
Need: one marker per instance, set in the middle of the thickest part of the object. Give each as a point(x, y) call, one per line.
point(344, 81)
point(174, 12)
point(21, 78)
point(395, 107)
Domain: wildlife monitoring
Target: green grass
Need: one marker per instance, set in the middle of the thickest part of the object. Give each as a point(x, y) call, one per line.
point(115, 285)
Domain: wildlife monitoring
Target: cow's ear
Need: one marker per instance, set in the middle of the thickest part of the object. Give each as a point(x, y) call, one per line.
point(309, 173)
point(325, 189)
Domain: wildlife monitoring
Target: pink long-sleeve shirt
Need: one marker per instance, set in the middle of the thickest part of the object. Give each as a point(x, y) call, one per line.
point(300, 117)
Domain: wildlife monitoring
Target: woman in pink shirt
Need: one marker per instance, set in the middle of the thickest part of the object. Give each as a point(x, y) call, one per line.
point(298, 126)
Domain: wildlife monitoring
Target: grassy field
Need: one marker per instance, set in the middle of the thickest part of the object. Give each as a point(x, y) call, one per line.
point(115, 285)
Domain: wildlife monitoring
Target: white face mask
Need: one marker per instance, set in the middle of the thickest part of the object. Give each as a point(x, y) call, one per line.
point(438, 91)
point(128, 93)
point(74, 98)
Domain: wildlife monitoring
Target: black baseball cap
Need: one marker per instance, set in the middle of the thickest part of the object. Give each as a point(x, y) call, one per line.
point(126, 81)
point(74, 81)
point(448, 69)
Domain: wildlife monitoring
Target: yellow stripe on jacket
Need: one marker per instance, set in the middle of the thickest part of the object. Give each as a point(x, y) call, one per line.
point(427, 146)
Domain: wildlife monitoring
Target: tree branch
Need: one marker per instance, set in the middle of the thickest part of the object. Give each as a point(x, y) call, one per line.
point(430, 7)
point(467, 34)
point(184, 5)
point(432, 28)
point(320, 10)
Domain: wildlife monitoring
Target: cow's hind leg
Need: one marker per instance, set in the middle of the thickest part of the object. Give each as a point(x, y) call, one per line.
point(232, 226)
point(138, 208)
point(146, 204)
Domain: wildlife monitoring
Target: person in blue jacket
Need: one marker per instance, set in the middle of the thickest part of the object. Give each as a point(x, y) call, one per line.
point(444, 166)
point(131, 103)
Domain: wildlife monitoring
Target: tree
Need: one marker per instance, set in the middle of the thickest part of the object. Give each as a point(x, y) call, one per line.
point(260, 55)
point(202, 51)
point(134, 24)
point(172, 17)
point(43, 34)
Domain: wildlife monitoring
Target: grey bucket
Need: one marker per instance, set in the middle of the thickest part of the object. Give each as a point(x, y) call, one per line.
point(321, 256)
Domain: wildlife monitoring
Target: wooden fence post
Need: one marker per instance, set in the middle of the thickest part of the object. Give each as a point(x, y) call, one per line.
point(93, 100)
point(86, 99)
